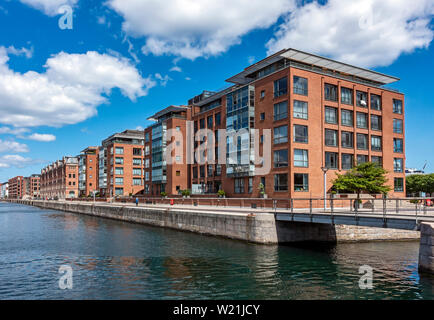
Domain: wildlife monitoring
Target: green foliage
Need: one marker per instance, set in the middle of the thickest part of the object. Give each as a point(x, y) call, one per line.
point(163, 194)
point(420, 183)
point(221, 193)
point(185, 193)
point(261, 188)
point(366, 177)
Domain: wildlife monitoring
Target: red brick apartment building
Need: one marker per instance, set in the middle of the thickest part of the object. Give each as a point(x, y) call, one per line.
point(121, 164)
point(320, 113)
point(88, 171)
point(16, 187)
point(60, 179)
point(32, 186)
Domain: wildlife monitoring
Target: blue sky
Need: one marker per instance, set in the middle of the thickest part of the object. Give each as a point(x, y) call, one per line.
point(150, 60)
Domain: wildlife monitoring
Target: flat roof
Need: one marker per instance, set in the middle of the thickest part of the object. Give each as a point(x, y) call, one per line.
point(166, 111)
point(315, 60)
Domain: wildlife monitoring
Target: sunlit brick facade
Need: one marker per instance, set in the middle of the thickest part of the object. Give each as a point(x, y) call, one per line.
point(60, 179)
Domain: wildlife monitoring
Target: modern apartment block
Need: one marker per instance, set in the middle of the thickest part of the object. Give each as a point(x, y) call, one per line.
point(166, 162)
point(31, 186)
point(287, 118)
point(88, 172)
point(60, 179)
point(16, 185)
point(4, 190)
point(121, 164)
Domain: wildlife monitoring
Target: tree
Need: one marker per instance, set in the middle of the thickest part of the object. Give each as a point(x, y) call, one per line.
point(420, 183)
point(366, 177)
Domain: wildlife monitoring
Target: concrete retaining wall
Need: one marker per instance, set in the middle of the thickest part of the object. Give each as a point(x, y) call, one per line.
point(260, 228)
point(426, 251)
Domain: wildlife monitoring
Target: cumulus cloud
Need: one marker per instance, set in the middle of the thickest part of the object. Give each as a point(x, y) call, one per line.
point(191, 29)
point(69, 91)
point(13, 131)
point(42, 137)
point(8, 146)
point(362, 32)
point(8, 161)
point(28, 53)
point(49, 7)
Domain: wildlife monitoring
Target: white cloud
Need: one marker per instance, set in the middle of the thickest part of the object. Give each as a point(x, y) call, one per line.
point(69, 91)
point(175, 69)
point(7, 146)
point(8, 161)
point(49, 7)
point(163, 80)
point(362, 32)
point(13, 131)
point(42, 137)
point(28, 53)
point(192, 29)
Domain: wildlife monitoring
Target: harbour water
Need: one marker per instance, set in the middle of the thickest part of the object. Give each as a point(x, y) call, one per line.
point(117, 260)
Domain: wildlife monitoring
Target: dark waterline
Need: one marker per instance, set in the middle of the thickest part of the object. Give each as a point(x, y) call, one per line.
point(116, 260)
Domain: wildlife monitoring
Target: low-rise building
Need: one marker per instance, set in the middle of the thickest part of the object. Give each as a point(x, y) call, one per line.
point(60, 179)
point(4, 190)
point(31, 187)
point(16, 185)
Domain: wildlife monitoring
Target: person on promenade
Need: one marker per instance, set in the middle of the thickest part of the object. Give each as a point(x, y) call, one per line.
point(137, 202)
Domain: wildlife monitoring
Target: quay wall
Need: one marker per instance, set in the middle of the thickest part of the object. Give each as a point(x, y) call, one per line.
point(261, 228)
point(426, 249)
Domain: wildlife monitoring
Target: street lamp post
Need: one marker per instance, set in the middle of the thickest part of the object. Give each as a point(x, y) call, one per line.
point(324, 170)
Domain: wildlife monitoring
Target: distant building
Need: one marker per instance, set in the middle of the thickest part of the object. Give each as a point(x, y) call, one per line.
point(410, 171)
point(60, 179)
point(88, 171)
point(16, 185)
point(31, 187)
point(4, 190)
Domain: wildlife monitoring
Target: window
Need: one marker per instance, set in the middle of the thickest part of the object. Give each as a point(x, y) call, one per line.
point(263, 182)
point(119, 181)
point(262, 94)
point(218, 169)
point(147, 176)
point(280, 182)
point(376, 123)
point(300, 109)
point(397, 106)
point(362, 120)
point(250, 185)
point(377, 160)
point(137, 182)
point(301, 182)
point(331, 115)
point(137, 152)
point(347, 96)
point(119, 150)
point(362, 99)
point(147, 137)
point(347, 139)
point(375, 102)
point(147, 151)
point(362, 159)
point(347, 118)
point(261, 139)
point(119, 191)
point(398, 165)
point(397, 126)
point(281, 134)
point(119, 171)
point(178, 173)
point(194, 172)
point(147, 163)
point(239, 185)
point(300, 134)
point(137, 172)
point(331, 138)
point(281, 158)
point(210, 170)
point(362, 141)
point(331, 160)
point(376, 143)
point(218, 119)
point(202, 123)
point(301, 158)
point(280, 87)
point(281, 111)
point(347, 161)
point(330, 92)
point(137, 162)
point(210, 122)
point(398, 145)
point(178, 128)
point(202, 171)
point(399, 184)
point(300, 86)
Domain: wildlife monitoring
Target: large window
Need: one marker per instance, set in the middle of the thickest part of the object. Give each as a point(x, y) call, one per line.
point(376, 123)
point(397, 126)
point(119, 150)
point(281, 111)
point(397, 106)
point(300, 134)
point(137, 162)
point(281, 134)
point(330, 92)
point(119, 171)
point(375, 102)
point(280, 87)
point(280, 182)
point(300, 109)
point(119, 181)
point(399, 184)
point(331, 115)
point(347, 161)
point(301, 182)
point(362, 141)
point(377, 160)
point(137, 152)
point(331, 160)
point(376, 144)
point(331, 138)
point(301, 158)
point(300, 86)
point(239, 185)
point(281, 158)
point(398, 165)
point(119, 160)
point(137, 172)
point(202, 123)
point(362, 120)
point(362, 99)
point(194, 172)
point(398, 145)
point(137, 182)
point(210, 122)
point(347, 118)
point(346, 96)
point(362, 159)
point(119, 191)
point(217, 119)
point(347, 139)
